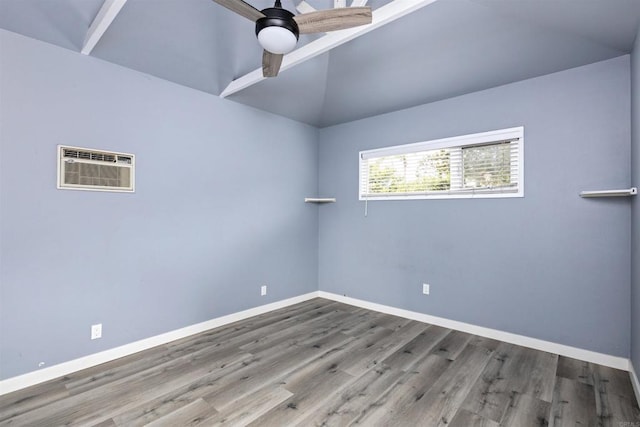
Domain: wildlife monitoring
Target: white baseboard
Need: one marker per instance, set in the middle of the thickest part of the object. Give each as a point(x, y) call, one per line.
point(32, 378)
point(52, 372)
point(634, 381)
point(537, 344)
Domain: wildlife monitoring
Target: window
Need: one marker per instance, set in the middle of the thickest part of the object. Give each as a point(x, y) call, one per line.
point(485, 164)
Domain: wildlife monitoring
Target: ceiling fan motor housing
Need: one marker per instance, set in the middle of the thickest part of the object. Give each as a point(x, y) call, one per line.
point(280, 19)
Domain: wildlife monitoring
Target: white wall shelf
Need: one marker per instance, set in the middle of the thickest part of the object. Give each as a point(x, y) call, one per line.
point(319, 200)
point(611, 193)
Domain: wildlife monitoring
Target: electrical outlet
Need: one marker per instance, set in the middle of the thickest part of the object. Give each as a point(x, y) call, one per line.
point(425, 288)
point(96, 331)
point(263, 290)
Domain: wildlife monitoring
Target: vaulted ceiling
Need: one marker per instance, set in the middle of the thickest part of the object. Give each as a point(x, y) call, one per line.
point(443, 49)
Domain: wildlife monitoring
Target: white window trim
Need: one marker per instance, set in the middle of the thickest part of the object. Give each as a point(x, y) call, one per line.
point(515, 133)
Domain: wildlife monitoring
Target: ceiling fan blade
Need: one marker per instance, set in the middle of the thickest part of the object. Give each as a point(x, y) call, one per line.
point(333, 19)
point(241, 8)
point(271, 63)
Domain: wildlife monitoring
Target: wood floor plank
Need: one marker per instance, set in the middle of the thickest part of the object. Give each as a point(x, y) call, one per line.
point(512, 371)
point(452, 345)
point(355, 400)
point(434, 403)
point(611, 381)
point(350, 354)
point(326, 378)
point(272, 369)
point(539, 374)
point(258, 332)
point(245, 331)
point(488, 343)
point(369, 320)
point(150, 410)
point(367, 358)
point(106, 423)
point(526, 410)
point(205, 342)
point(574, 404)
point(612, 389)
point(327, 363)
point(411, 388)
point(618, 411)
point(322, 325)
point(418, 348)
point(31, 398)
point(246, 409)
point(573, 369)
point(360, 317)
point(116, 369)
point(103, 402)
point(188, 415)
point(439, 405)
point(392, 322)
point(153, 360)
point(464, 418)
point(282, 314)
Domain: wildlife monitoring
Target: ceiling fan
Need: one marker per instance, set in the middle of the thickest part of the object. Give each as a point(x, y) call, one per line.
point(278, 29)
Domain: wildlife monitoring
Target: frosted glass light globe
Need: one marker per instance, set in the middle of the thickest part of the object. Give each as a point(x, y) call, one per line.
point(277, 40)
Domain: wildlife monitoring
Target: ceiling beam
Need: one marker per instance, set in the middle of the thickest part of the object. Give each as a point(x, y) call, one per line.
point(381, 16)
point(104, 18)
point(304, 7)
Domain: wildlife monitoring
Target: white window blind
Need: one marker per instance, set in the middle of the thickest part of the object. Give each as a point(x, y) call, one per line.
point(488, 164)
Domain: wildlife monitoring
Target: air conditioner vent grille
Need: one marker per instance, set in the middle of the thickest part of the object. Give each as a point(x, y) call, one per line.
point(83, 169)
point(96, 156)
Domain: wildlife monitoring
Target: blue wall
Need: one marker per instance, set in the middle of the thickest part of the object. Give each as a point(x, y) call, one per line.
point(635, 207)
point(214, 216)
point(550, 265)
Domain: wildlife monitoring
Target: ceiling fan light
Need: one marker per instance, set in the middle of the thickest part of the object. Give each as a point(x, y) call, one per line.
point(277, 31)
point(277, 40)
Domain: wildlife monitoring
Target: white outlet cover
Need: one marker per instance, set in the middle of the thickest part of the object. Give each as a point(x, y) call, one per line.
point(263, 290)
point(96, 331)
point(425, 288)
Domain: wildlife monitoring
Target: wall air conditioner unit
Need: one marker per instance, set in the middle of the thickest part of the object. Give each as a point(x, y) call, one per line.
point(88, 169)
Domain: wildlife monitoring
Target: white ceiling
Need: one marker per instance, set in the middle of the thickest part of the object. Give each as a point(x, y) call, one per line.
point(445, 49)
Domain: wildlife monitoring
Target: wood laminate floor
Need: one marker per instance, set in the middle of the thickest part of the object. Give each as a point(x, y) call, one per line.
point(331, 364)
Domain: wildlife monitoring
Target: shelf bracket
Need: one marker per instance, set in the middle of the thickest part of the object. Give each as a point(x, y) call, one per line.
point(319, 200)
point(611, 193)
